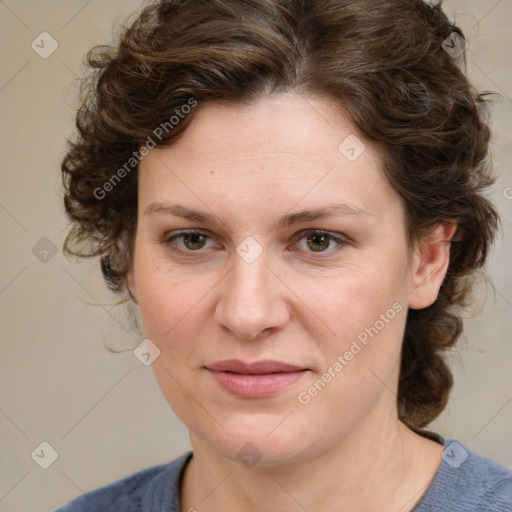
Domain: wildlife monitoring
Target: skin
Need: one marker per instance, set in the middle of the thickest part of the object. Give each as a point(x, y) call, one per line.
point(302, 301)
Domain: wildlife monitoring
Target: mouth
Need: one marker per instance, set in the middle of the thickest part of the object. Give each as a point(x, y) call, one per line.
point(255, 380)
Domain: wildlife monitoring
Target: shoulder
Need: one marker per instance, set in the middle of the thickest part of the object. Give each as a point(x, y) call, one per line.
point(154, 488)
point(466, 481)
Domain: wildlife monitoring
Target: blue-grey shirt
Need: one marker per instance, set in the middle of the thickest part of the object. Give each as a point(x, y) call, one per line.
point(464, 482)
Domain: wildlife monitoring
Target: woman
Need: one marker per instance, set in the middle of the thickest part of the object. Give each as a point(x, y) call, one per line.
point(291, 193)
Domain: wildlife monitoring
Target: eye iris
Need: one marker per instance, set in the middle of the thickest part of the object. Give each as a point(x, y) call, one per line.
point(195, 240)
point(319, 240)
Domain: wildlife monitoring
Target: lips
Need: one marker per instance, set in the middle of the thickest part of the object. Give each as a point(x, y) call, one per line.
point(256, 368)
point(255, 380)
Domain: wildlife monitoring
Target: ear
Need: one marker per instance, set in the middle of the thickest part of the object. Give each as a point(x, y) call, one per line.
point(130, 279)
point(429, 266)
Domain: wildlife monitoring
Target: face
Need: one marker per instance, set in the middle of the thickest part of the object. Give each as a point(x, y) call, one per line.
point(261, 240)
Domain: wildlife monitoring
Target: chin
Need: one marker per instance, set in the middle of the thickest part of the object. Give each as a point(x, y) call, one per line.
point(262, 441)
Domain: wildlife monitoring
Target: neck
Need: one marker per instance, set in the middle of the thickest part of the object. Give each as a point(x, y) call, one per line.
point(376, 463)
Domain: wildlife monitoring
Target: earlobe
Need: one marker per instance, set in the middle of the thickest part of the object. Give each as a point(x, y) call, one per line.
point(429, 267)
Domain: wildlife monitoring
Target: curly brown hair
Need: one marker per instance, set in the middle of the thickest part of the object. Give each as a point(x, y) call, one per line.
point(387, 64)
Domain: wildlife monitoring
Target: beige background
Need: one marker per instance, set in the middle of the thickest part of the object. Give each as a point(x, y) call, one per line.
point(102, 412)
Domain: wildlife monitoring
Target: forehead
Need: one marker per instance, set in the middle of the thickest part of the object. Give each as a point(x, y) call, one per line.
point(290, 124)
point(283, 148)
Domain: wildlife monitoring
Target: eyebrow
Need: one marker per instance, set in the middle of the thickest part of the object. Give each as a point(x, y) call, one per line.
point(328, 211)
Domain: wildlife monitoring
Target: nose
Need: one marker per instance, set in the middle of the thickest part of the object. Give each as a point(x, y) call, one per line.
point(253, 300)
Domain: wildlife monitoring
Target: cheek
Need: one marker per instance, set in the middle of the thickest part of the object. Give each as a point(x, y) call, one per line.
point(359, 298)
point(174, 315)
point(365, 310)
point(169, 302)
point(361, 359)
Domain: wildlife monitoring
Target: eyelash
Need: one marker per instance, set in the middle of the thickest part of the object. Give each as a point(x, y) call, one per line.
point(168, 240)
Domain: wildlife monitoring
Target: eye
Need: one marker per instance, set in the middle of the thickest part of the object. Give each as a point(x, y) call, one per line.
point(312, 241)
point(192, 241)
point(319, 241)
